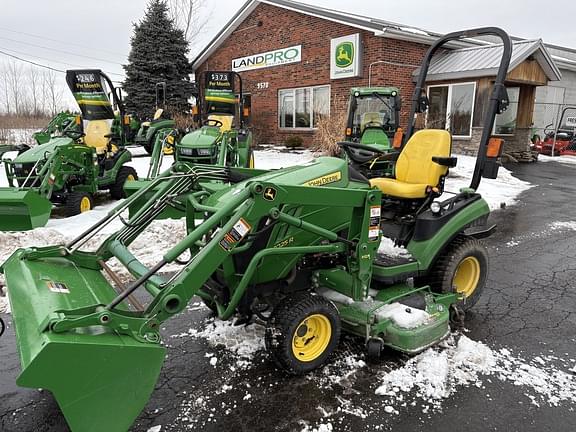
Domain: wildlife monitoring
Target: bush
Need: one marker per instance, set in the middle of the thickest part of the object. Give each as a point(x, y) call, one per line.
point(330, 131)
point(293, 141)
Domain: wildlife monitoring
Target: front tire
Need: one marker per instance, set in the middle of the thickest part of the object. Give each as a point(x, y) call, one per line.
point(302, 333)
point(462, 268)
point(125, 173)
point(78, 202)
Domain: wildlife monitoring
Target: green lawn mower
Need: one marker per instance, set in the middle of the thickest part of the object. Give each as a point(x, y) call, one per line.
point(69, 170)
point(295, 250)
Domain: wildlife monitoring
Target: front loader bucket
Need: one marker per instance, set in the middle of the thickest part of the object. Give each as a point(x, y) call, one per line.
point(22, 210)
point(101, 379)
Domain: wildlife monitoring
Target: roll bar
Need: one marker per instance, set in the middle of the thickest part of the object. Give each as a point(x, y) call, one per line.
point(498, 99)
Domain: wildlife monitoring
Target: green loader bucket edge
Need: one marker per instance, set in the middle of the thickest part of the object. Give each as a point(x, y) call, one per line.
point(22, 210)
point(101, 380)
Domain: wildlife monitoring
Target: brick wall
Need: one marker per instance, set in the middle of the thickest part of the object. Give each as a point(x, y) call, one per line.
point(282, 28)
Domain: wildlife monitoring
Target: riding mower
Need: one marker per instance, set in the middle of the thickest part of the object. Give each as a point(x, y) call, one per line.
point(561, 140)
point(373, 117)
point(68, 171)
point(294, 249)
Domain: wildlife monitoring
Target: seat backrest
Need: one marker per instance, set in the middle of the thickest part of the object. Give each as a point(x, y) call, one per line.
point(415, 163)
point(95, 134)
point(370, 117)
point(226, 120)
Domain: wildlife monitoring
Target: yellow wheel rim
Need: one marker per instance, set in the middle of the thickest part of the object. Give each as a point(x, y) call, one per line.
point(85, 204)
point(311, 338)
point(130, 177)
point(251, 163)
point(467, 276)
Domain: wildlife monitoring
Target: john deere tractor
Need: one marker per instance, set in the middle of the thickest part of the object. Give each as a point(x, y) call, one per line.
point(68, 171)
point(373, 119)
point(223, 138)
point(295, 250)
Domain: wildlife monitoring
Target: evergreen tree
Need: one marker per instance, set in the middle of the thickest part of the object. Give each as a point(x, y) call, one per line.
point(158, 54)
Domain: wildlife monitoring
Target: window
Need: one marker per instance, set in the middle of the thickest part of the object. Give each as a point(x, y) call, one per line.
point(301, 108)
point(505, 123)
point(451, 108)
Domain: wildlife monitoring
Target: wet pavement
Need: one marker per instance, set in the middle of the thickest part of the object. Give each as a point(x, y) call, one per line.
point(528, 306)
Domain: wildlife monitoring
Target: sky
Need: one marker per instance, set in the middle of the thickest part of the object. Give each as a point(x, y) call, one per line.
point(64, 33)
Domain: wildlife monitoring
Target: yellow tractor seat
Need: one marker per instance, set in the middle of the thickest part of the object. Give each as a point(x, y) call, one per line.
point(370, 119)
point(416, 173)
point(226, 120)
point(95, 134)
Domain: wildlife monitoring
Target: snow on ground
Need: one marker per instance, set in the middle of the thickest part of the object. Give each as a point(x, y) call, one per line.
point(567, 160)
point(17, 136)
point(423, 381)
point(504, 189)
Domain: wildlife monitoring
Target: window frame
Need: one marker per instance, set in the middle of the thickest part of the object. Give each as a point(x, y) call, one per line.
point(293, 90)
point(516, 116)
point(449, 105)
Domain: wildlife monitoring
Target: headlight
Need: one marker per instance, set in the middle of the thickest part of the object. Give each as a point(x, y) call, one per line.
point(204, 151)
point(186, 151)
point(18, 166)
point(435, 207)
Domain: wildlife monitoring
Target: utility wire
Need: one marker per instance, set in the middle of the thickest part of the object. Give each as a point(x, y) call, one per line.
point(60, 41)
point(2, 51)
point(59, 50)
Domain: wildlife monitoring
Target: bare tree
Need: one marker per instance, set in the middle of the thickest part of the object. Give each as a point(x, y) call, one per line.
point(52, 92)
point(15, 85)
point(4, 87)
point(191, 16)
point(34, 78)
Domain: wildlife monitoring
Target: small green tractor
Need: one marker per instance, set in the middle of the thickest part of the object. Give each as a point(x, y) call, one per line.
point(68, 171)
point(372, 120)
point(294, 249)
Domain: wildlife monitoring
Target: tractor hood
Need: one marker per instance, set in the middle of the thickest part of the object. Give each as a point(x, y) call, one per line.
point(324, 171)
point(39, 151)
point(206, 136)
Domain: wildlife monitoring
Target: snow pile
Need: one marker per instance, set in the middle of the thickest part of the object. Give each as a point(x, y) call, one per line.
point(504, 189)
point(243, 341)
point(275, 157)
point(323, 427)
point(555, 227)
point(403, 316)
point(437, 373)
point(155, 429)
point(563, 226)
point(387, 247)
point(567, 160)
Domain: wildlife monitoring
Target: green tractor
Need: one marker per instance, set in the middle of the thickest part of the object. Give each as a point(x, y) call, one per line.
point(223, 138)
point(57, 126)
point(294, 249)
point(373, 119)
point(68, 171)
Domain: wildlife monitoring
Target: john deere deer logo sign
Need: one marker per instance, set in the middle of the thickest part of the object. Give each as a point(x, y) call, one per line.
point(345, 53)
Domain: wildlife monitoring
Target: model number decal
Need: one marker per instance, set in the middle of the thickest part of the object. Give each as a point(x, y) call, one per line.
point(324, 180)
point(235, 235)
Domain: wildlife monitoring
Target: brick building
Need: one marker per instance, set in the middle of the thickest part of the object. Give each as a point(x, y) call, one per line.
point(287, 54)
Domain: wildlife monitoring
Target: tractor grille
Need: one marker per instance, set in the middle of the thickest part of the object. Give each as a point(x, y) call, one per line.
point(21, 171)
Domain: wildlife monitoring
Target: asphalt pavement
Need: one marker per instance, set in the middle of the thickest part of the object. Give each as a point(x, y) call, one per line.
point(528, 306)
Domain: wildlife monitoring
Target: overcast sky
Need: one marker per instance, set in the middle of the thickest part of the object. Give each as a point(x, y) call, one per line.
point(101, 29)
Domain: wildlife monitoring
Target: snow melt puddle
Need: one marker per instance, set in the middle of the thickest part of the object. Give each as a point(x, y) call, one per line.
point(558, 226)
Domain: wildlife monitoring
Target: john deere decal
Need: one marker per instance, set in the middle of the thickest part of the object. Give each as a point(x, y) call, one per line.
point(324, 180)
point(344, 54)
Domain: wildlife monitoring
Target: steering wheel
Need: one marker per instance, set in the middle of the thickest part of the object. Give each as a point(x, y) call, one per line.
point(215, 122)
point(549, 130)
point(74, 134)
point(357, 152)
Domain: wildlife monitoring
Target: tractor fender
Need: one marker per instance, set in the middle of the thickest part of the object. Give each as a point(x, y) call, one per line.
point(465, 220)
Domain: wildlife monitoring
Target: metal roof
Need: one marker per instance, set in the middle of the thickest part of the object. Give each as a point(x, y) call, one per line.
point(483, 61)
point(379, 27)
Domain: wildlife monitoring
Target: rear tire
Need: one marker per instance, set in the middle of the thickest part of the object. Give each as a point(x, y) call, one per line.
point(78, 202)
point(302, 333)
point(125, 173)
point(462, 268)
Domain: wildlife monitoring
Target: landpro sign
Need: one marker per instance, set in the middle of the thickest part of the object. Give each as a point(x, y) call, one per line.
point(277, 57)
point(346, 57)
